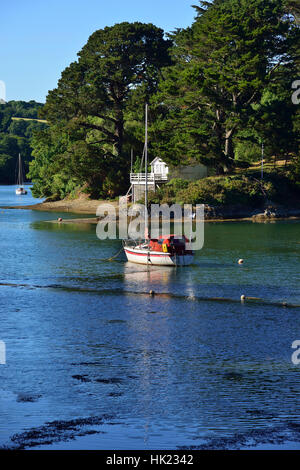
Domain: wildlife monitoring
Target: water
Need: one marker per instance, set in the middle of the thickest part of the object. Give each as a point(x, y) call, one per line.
point(85, 341)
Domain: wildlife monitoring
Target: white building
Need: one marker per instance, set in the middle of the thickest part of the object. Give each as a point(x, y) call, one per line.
point(158, 175)
point(159, 169)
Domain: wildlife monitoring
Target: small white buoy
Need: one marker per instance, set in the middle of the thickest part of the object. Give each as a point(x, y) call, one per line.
point(240, 261)
point(59, 219)
point(243, 298)
point(152, 293)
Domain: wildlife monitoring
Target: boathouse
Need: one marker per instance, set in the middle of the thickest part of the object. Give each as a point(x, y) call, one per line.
point(157, 176)
point(160, 174)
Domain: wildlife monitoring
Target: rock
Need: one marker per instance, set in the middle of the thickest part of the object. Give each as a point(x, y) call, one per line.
point(81, 378)
point(260, 215)
point(27, 397)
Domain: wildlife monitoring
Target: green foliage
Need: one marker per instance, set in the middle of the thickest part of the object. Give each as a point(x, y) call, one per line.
point(25, 109)
point(223, 64)
point(93, 105)
point(217, 90)
point(7, 168)
point(247, 151)
point(15, 136)
point(137, 165)
point(236, 190)
point(176, 184)
point(295, 171)
point(10, 147)
point(224, 191)
point(167, 194)
point(46, 170)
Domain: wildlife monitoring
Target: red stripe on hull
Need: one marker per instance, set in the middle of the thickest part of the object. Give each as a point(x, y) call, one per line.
point(146, 254)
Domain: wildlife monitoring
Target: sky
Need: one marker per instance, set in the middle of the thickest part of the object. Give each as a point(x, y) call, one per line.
point(40, 38)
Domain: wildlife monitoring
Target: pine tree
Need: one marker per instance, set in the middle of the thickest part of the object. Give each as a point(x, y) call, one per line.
point(223, 64)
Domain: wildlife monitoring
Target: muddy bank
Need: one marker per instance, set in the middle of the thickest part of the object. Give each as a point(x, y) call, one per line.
point(221, 214)
point(76, 206)
point(270, 211)
point(83, 205)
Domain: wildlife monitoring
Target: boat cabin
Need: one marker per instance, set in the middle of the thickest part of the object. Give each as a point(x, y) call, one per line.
point(168, 244)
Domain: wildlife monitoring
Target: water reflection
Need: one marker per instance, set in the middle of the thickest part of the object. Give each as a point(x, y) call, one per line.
point(151, 275)
point(54, 226)
point(84, 337)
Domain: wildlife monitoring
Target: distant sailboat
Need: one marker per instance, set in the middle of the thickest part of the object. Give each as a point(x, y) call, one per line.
point(20, 182)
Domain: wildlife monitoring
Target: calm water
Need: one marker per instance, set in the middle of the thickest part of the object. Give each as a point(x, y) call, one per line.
point(180, 369)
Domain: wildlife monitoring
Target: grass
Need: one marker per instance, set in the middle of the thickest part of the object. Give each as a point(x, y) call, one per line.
point(28, 119)
point(267, 166)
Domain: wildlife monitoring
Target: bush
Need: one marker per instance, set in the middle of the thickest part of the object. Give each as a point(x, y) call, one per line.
point(235, 190)
point(247, 151)
point(167, 194)
point(176, 184)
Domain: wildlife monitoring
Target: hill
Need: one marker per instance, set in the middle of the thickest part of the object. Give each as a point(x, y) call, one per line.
point(18, 121)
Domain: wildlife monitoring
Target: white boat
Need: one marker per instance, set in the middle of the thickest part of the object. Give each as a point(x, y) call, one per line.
point(144, 254)
point(167, 250)
point(20, 190)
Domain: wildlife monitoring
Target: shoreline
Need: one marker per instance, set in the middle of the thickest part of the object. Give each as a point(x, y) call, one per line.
point(269, 213)
point(75, 206)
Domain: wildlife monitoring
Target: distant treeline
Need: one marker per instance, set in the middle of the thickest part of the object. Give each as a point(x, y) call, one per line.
point(15, 136)
point(217, 90)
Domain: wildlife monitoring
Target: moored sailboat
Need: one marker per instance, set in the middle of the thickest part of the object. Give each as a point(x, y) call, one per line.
point(167, 250)
point(164, 251)
point(20, 183)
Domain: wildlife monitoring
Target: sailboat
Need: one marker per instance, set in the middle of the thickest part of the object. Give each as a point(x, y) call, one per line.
point(20, 190)
point(167, 250)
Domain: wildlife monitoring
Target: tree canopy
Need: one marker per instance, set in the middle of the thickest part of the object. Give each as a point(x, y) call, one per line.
point(233, 53)
point(15, 136)
point(216, 89)
point(90, 102)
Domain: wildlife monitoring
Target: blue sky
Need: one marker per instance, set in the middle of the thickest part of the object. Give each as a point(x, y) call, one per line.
point(39, 38)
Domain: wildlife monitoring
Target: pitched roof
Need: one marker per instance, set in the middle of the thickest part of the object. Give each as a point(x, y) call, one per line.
point(157, 159)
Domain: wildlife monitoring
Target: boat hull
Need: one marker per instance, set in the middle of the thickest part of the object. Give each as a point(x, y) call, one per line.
point(156, 258)
point(20, 192)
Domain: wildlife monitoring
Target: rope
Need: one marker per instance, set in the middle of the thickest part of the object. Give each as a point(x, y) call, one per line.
point(114, 256)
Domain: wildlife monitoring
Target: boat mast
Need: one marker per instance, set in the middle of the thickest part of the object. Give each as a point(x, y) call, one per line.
point(19, 182)
point(146, 173)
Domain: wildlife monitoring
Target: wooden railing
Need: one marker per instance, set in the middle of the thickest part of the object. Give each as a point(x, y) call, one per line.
point(151, 177)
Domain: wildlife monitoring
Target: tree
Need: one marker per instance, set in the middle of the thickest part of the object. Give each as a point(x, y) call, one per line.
point(10, 147)
point(15, 136)
point(92, 95)
point(224, 61)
